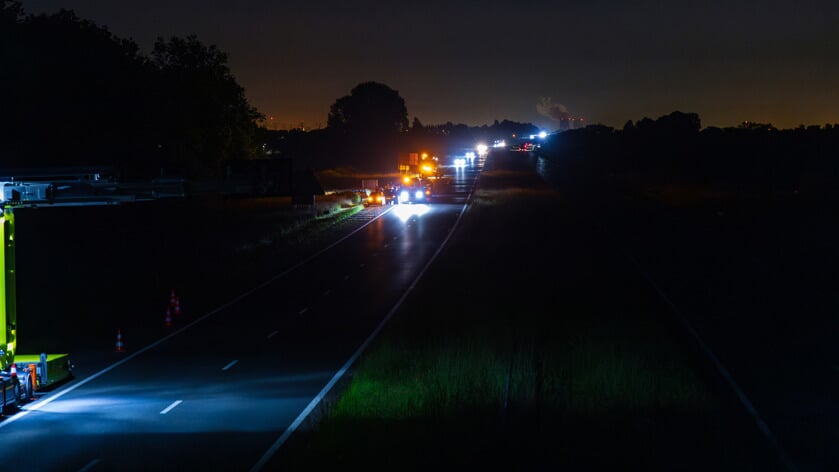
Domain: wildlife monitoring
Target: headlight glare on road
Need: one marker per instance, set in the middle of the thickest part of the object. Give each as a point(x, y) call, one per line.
point(404, 213)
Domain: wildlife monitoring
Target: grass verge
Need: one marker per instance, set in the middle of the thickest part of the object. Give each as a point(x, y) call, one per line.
point(544, 352)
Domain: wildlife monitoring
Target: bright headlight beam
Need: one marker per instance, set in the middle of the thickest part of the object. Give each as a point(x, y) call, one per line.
point(405, 212)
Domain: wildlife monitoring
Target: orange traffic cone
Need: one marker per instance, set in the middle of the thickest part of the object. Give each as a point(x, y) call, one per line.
point(13, 370)
point(119, 347)
point(177, 308)
point(168, 319)
point(172, 298)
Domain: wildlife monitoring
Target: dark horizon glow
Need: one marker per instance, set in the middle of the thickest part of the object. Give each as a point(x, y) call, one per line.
point(473, 62)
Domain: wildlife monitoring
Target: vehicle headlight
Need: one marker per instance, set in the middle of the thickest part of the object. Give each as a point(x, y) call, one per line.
point(403, 196)
point(418, 194)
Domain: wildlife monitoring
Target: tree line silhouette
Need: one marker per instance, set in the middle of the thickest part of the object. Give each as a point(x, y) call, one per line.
point(75, 94)
point(72, 93)
point(753, 158)
point(368, 129)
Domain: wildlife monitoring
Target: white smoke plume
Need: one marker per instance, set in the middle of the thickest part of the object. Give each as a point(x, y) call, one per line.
point(556, 111)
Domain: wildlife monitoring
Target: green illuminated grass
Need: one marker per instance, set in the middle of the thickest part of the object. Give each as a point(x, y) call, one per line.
point(521, 349)
point(577, 366)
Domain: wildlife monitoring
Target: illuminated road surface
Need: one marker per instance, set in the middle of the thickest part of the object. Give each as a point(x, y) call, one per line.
point(219, 393)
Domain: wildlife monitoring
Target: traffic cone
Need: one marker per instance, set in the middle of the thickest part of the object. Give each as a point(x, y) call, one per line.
point(119, 347)
point(33, 378)
point(172, 298)
point(13, 370)
point(168, 319)
point(177, 309)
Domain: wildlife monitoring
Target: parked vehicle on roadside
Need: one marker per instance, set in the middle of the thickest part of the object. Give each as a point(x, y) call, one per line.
point(375, 198)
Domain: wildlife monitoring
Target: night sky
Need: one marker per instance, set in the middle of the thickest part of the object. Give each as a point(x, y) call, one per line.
point(471, 62)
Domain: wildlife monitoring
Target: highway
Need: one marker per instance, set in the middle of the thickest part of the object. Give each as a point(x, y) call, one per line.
point(223, 389)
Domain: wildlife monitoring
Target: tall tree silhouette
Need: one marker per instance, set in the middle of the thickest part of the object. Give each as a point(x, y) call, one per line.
point(370, 107)
point(70, 91)
point(205, 118)
point(367, 127)
point(10, 12)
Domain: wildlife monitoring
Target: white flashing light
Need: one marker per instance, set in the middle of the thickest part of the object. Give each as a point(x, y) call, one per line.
point(543, 134)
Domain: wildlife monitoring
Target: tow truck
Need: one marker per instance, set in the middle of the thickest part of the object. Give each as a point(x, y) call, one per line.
point(22, 375)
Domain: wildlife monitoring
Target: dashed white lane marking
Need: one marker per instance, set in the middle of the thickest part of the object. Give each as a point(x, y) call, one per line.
point(326, 293)
point(170, 407)
point(231, 364)
point(272, 334)
point(304, 310)
point(346, 277)
point(60, 393)
point(311, 406)
point(361, 265)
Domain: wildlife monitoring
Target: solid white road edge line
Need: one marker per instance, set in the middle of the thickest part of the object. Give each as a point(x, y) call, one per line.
point(60, 393)
point(311, 406)
point(170, 407)
point(726, 375)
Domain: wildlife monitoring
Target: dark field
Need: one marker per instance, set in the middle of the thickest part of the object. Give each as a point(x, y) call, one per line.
point(533, 343)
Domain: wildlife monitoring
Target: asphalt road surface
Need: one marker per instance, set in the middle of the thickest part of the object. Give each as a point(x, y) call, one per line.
point(222, 388)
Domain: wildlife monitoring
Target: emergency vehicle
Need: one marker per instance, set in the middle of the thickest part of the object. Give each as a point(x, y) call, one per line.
point(21, 375)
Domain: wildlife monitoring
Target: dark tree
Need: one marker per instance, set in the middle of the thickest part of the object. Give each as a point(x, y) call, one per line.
point(370, 107)
point(74, 94)
point(367, 128)
point(204, 117)
point(416, 125)
point(10, 13)
point(680, 123)
point(71, 91)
